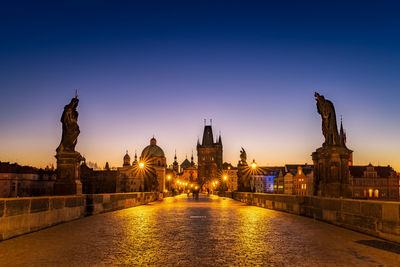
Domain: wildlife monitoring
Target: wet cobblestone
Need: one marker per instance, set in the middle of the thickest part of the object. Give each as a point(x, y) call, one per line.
point(210, 231)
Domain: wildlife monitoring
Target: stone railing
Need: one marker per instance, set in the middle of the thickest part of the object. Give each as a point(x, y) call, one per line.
point(99, 203)
point(377, 218)
point(24, 215)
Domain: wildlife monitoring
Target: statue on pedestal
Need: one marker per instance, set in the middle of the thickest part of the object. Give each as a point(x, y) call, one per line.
point(243, 173)
point(68, 160)
point(331, 161)
point(70, 128)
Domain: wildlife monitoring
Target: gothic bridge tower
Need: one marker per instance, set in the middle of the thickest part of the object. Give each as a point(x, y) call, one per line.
point(209, 156)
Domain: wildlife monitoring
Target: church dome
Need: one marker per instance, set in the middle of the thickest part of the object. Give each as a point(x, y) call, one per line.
point(152, 150)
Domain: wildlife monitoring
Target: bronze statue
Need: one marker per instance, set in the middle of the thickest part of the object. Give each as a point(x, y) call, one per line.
point(329, 125)
point(243, 155)
point(70, 128)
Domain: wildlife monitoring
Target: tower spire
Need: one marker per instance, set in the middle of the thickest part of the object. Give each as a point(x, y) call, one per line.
point(342, 133)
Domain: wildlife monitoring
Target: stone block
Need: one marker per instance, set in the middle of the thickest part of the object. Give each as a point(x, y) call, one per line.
point(71, 202)
point(17, 207)
point(329, 215)
point(1, 208)
point(57, 203)
point(40, 204)
point(390, 212)
point(94, 199)
point(371, 209)
point(317, 214)
point(330, 204)
point(351, 206)
point(107, 206)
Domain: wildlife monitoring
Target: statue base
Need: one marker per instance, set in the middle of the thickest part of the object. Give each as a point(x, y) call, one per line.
point(331, 171)
point(243, 177)
point(68, 174)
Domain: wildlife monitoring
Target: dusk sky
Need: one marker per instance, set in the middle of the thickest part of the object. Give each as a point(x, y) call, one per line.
point(162, 67)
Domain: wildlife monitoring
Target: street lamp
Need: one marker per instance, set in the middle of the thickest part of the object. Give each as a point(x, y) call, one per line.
point(254, 164)
point(141, 165)
point(225, 183)
point(169, 182)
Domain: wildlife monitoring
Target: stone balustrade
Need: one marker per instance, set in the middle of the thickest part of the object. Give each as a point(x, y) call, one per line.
point(377, 218)
point(24, 215)
point(99, 203)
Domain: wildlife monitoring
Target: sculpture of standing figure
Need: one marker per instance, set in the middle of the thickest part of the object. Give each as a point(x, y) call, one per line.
point(329, 125)
point(243, 155)
point(70, 128)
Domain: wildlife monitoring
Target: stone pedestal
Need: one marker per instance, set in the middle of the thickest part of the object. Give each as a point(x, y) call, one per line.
point(68, 174)
point(331, 171)
point(243, 177)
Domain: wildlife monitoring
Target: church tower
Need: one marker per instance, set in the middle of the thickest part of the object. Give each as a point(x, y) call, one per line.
point(175, 165)
point(209, 155)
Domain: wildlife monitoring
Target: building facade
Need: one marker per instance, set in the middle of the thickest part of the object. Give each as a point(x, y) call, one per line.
point(374, 182)
point(25, 181)
point(230, 177)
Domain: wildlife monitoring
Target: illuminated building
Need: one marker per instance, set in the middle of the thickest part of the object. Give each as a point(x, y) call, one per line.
point(24, 181)
point(374, 182)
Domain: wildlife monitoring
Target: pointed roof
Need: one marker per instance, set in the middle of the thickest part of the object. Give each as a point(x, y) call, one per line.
point(342, 133)
point(208, 139)
point(185, 163)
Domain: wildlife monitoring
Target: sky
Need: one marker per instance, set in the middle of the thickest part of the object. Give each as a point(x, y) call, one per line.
point(145, 68)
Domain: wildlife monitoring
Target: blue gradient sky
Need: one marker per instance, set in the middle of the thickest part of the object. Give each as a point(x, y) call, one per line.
point(150, 67)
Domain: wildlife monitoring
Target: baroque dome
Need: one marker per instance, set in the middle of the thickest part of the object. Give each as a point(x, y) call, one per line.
point(152, 150)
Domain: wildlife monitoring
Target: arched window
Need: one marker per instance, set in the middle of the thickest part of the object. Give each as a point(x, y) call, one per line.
point(159, 163)
point(370, 192)
point(376, 193)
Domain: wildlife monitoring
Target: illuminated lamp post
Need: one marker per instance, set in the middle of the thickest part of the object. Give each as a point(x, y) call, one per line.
point(169, 182)
point(225, 182)
point(253, 171)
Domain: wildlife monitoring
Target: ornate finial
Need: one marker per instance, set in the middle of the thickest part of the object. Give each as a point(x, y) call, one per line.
point(210, 121)
point(205, 122)
point(127, 151)
point(76, 93)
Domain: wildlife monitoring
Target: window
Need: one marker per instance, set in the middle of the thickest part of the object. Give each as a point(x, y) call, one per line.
point(376, 193)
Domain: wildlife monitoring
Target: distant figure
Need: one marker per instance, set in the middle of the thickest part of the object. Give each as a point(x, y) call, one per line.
point(70, 128)
point(328, 115)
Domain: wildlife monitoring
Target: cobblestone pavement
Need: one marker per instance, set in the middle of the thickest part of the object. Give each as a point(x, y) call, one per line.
point(210, 231)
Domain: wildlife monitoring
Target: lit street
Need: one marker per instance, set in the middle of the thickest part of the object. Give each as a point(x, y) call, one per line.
point(211, 231)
